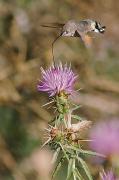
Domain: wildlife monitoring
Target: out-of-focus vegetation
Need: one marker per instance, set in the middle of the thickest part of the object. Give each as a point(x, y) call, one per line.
point(24, 47)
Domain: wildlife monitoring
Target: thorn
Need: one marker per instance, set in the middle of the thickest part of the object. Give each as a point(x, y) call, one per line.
point(47, 129)
point(46, 142)
point(86, 140)
point(50, 126)
point(47, 103)
point(79, 89)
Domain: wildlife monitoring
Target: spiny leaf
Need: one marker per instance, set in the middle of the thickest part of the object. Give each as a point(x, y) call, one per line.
point(74, 176)
point(75, 108)
point(56, 170)
point(70, 168)
point(58, 120)
point(73, 148)
point(85, 167)
point(64, 151)
point(55, 155)
point(77, 174)
point(64, 121)
point(85, 151)
point(77, 117)
point(91, 153)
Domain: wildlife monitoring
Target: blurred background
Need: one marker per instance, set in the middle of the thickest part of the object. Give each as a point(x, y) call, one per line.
point(25, 46)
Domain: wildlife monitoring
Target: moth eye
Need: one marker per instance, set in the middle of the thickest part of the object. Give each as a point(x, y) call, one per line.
point(96, 25)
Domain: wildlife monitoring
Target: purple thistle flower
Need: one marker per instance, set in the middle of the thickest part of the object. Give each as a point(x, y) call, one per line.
point(57, 79)
point(107, 176)
point(105, 136)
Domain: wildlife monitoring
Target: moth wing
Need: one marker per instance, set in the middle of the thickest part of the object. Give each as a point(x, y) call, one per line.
point(86, 39)
point(53, 25)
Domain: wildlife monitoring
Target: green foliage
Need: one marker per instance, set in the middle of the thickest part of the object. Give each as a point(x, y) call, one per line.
point(85, 167)
point(72, 157)
point(13, 130)
point(109, 66)
point(6, 175)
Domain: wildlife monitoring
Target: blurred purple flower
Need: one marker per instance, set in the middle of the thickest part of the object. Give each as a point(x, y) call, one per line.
point(57, 79)
point(105, 136)
point(107, 176)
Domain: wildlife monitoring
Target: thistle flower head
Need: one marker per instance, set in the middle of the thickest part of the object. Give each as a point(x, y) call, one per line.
point(107, 176)
point(105, 137)
point(56, 80)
